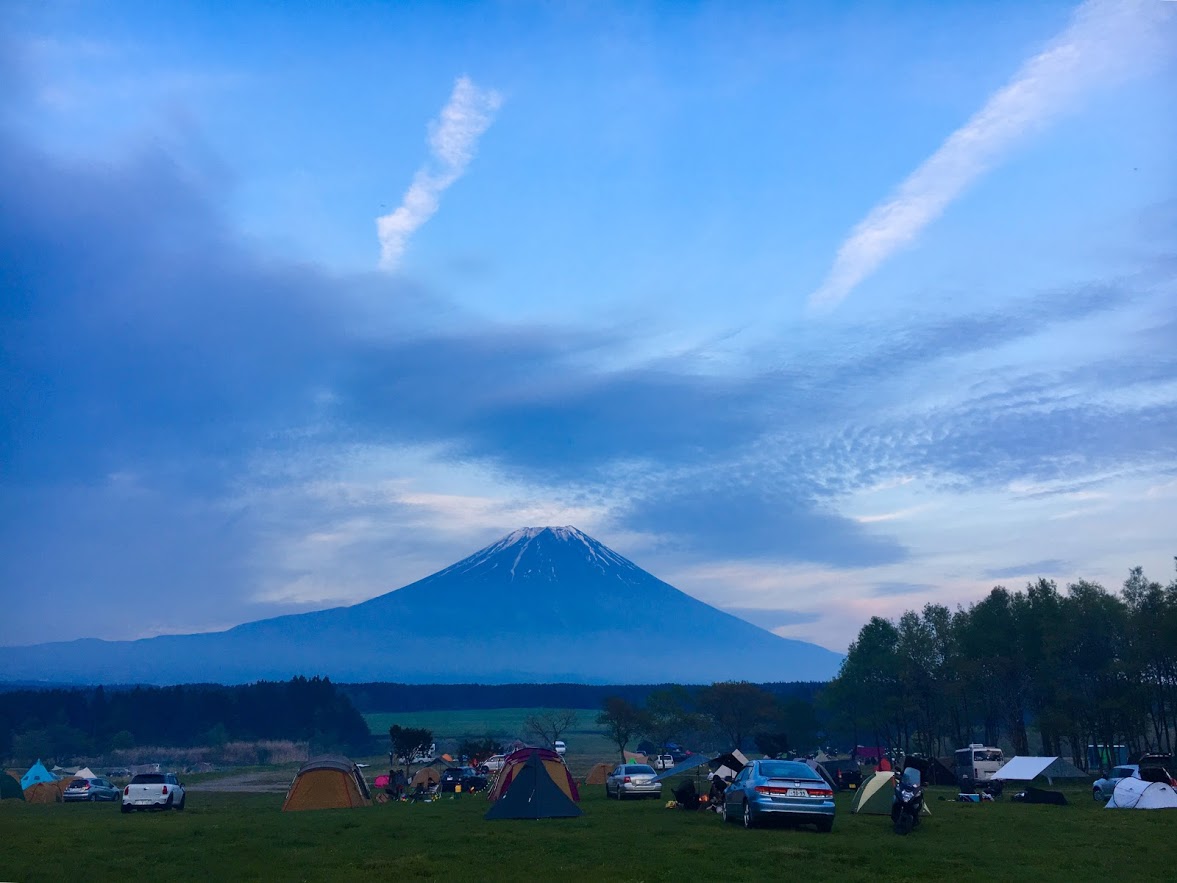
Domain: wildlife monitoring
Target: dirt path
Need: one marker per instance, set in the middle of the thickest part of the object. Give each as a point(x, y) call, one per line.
point(258, 783)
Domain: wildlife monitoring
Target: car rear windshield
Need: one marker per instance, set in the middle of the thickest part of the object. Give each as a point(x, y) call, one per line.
point(639, 769)
point(148, 779)
point(786, 769)
point(845, 766)
point(78, 783)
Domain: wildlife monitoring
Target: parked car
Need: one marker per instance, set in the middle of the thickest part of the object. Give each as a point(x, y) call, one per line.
point(90, 789)
point(559, 747)
point(1102, 788)
point(782, 789)
point(845, 773)
point(468, 777)
point(495, 763)
point(663, 762)
point(632, 780)
point(154, 791)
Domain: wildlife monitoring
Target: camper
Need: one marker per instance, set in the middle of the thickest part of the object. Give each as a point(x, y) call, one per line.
point(978, 762)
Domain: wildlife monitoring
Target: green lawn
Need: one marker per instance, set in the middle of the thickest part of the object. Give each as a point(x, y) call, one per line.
point(245, 836)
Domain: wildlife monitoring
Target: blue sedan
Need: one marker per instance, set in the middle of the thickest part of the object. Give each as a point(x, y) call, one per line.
point(779, 789)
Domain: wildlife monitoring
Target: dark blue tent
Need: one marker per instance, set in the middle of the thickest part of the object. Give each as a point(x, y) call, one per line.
point(533, 795)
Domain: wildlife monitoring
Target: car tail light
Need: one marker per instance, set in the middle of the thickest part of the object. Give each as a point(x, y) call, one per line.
point(86, 786)
point(165, 789)
point(126, 791)
point(820, 792)
point(770, 789)
point(626, 780)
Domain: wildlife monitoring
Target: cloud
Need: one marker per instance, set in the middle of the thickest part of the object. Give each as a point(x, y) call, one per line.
point(890, 589)
point(769, 618)
point(1105, 42)
point(453, 139)
point(1050, 566)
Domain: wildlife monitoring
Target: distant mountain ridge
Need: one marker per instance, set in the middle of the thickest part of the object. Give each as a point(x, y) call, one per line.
point(540, 605)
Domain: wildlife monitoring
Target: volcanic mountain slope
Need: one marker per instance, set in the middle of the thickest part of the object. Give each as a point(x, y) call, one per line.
point(544, 604)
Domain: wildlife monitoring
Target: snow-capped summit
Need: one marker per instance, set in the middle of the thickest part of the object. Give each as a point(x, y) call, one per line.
point(541, 604)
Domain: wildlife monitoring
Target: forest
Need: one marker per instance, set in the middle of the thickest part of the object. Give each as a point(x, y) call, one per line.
point(1041, 671)
point(92, 721)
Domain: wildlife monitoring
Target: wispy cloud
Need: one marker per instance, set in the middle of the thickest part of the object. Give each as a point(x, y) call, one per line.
point(1106, 41)
point(452, 141)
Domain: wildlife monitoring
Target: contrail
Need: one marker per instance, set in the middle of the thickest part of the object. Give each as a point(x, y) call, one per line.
point(453, 138)
point(1106, 41)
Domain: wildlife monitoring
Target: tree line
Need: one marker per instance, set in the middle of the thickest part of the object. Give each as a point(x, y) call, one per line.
point(82, 722)
point(1042, 670)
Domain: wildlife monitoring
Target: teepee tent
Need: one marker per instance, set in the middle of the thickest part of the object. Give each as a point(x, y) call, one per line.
point(598, 774)
point(37, 773)
point(1138, 794)
point(328, 782)
point(532, 794)
point(84, 773)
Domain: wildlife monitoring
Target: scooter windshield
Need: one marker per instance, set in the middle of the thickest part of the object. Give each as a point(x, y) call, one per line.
point(911, 776)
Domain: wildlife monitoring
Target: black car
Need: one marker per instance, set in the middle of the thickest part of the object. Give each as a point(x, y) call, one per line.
point(468, 777)
point(845, 773)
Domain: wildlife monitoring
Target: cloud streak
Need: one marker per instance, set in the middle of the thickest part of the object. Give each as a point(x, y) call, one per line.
point(453, 140)
point(1106, 41)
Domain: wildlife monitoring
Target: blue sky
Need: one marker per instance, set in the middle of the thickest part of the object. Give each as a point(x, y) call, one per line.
point(816, 311)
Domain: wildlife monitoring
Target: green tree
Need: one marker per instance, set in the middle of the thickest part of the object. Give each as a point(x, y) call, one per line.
point(622, 721)
point(736, 708)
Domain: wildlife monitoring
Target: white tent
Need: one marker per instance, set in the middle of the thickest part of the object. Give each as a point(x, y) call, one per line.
point(1026, 769)
point(85, 773)
point(1138, 794)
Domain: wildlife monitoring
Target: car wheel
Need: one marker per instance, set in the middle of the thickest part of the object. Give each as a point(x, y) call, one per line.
point(723, 811)
point(180, 805)
point(1096, 795)
point(125, 808)
point(749, 822)
point(168, 803)
point(92, 797)
point(620, 793)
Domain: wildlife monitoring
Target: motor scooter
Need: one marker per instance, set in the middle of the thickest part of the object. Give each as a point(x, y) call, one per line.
point(908, 801)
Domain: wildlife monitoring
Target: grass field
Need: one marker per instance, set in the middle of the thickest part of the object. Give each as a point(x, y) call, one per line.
point(246, 836)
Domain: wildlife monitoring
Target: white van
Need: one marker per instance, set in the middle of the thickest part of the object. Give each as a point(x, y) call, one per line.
point(978, 762)
point(560, 747)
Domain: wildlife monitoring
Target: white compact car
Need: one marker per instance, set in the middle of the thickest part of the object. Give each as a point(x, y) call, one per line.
point(560, 747)
point(154, 791)
point(663, 762)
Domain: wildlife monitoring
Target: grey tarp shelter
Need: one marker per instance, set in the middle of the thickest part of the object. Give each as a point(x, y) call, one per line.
point(1027, 768)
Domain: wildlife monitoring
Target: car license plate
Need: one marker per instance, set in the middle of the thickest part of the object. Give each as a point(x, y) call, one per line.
point(797, 792)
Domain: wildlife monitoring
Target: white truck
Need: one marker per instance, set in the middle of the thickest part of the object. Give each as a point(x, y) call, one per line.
point(154, 791)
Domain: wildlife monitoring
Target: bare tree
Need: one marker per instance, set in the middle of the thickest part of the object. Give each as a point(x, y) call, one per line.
point(622, 721)
point(549, 726)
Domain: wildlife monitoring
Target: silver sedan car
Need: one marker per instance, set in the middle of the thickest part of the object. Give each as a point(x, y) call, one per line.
point(632, 780)
point(779, 789)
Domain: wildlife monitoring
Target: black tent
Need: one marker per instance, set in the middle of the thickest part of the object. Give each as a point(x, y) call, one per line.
point(533, 795)
point(932, 771)
point(1036, 795)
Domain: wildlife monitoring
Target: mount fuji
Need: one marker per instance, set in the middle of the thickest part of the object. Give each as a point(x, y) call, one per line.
point(543, 604)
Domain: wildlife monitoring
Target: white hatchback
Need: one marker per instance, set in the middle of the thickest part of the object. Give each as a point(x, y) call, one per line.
point(663, 762)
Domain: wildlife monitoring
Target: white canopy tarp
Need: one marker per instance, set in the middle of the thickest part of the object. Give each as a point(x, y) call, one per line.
point(1023, 769)
point(85, 773)
point(1138, 794)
